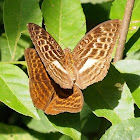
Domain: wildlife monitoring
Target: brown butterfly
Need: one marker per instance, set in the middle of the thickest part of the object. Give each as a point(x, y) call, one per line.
point(87, 64)
point(45, 93)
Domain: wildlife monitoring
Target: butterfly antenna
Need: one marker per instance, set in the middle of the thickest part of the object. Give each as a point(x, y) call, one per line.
point(61, 44)
point(77, 33)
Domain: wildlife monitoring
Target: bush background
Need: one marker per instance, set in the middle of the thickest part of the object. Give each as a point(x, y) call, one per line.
point(111, 109)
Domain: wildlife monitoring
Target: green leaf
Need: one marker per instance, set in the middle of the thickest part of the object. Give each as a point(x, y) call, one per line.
point(23, 43)
point(133, 39)
point(68, 124)
point(65, 21)
point(43, 125)
point(134, 55)
point(126, 130)
point(65, 123)
point(65, 137)
point(131, 70)
point(87, 119)
point(5, 54)
point(13, 133)
point(1, 11)
point(110, 98)
point(94, 1)
point(17, 13)
point(14, 91)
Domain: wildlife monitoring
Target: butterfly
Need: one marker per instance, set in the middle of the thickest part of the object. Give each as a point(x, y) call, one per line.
point(45, 93)
point(88, 63)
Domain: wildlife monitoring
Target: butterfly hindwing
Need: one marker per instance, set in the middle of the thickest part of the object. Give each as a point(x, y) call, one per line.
point(66, 100)
point(41, 89)
point(45, 93)
point(92, 55)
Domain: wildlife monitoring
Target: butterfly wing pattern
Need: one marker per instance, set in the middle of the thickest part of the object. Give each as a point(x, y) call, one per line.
point(51, 54)
point(56, 75)
point(94, 52)
point(45, 93)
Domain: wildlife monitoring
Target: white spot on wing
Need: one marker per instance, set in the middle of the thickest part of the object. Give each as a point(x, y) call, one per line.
point(90, 62)
point(58, 65)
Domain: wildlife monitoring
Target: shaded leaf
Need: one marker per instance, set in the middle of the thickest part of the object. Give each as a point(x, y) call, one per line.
point(43, 125)
point(91, 10)
point(65, 21)
point(87, 119)
point(68, 124)
point(111, 98)
point(94, 1)
point(13, 133)
point(131, 70)
point(17, 13)
point(65, 137)
point(65, 123)
point(126, 130)
point(14, 91)
point(134, 55)
point(42, 136)
point(23, 43)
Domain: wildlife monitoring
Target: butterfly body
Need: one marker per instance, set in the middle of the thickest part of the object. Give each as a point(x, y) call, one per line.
point(69, 71)
point(69, 64)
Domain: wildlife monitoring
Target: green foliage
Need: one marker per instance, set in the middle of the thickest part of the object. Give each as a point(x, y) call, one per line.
point(66, 22)
point(133, 40)
point(15, 91)
point(126, 130)
point(112, 99)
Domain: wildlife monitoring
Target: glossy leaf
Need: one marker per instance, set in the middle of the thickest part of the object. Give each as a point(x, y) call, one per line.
point(65, 123)
point(14, 90)
point(23, 43)
point(43, 125)
point(65, 21)
point(131, 70)
point(126, 130)
point(111, 98)
point(9, 132)
point(17, 13)
point(68, 124)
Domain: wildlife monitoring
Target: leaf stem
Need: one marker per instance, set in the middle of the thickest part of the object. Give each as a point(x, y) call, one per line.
point(124, 30)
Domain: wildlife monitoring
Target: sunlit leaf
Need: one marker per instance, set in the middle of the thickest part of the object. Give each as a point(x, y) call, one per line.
point(43, 125)
point(126, 130)
point(17, 13)
point(65, 21)
point(14, 90)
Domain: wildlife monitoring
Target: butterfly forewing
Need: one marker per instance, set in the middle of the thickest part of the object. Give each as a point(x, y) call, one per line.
point(92, 55)
point(45, 93)
point(41, 89)
point(89, 61)
point(51, 55)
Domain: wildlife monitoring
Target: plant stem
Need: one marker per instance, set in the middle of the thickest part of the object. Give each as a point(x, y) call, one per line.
point(124, 30)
